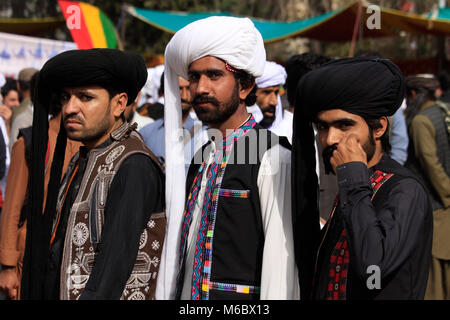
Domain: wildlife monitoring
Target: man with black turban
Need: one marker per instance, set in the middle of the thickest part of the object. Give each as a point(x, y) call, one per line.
point(100, 235)
point(377, 241)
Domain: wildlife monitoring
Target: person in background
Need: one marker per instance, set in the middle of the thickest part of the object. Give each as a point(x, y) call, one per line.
point(444, 80)
point(429, 157)
point(155, 108)
point(268, 106)
point(153, 134)
point(13, 224)
point(132, 116)
point(10, 101)
point(22, 116)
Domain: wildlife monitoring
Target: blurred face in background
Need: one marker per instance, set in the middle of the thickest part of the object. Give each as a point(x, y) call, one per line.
point(267, 100)
point(11, 99)
point(185, 95)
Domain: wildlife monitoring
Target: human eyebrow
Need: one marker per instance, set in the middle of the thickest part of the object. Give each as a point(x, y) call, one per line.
point(84, 92)
point(212, 71)
point(343, 122)
point(269, 91)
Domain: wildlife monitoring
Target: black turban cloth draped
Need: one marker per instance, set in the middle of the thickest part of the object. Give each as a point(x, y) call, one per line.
point(370, 87)
point(107, 68)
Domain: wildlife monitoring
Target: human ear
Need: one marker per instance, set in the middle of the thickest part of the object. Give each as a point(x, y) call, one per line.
point(244, 92)
point(378, 132)
point(119, 104)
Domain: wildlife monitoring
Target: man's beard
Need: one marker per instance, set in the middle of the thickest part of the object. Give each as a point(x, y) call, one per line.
point(327, 153)
point(222, 112)
point(93, 134)
point(267, 121)
point(130, 115)
point(185, 107)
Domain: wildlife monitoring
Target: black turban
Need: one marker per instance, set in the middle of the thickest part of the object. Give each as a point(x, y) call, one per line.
point(111, 69)
point(107, 68)
point(370, 87)
point(367, 86)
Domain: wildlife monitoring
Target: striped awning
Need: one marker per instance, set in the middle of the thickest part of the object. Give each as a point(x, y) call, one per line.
point(337, 25)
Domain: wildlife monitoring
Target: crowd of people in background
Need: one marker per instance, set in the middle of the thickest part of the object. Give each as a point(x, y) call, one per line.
point(255, 250)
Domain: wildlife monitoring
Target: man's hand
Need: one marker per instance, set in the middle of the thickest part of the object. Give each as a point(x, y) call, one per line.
point(5, 113)
point(348, 150)
point(9, 282)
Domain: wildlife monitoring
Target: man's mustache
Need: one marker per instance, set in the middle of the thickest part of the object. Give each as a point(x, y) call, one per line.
point(205, 99)
point(269, 108)
point(185, 101)
point(74, 117)
point(327, 153)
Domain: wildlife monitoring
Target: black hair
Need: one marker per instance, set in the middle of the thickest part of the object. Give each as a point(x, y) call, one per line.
point(161, 85)
point(297, 66)
point(425, 89)
point(24, 85)
point(247, 80)
point(11, 84)
point(33, 85)
point(374, 123)
point(444, 80)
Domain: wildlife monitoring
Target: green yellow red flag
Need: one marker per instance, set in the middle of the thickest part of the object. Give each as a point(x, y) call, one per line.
point(88, 25)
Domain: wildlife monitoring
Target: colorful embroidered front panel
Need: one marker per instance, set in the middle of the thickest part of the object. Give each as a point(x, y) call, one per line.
point(203, 249)
point(234, 288)
point(340, 257)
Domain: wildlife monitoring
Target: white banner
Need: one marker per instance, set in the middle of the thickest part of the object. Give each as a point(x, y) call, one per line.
point(18, 52)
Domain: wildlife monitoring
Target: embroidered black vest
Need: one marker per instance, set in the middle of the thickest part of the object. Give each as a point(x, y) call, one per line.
point(84, 226)
point(233, 270)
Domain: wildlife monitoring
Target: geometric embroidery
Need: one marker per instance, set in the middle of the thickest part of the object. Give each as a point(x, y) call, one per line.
point(203, 249)
point(230, 287)
point(234, 193)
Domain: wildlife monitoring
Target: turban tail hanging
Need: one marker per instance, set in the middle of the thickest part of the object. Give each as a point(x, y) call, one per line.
point(235, 41)
point(367, 86)
point(106, 68)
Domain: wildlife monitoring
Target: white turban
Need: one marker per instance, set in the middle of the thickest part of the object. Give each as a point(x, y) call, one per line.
point(151, 87)
point(274, 75)
point(239, 43)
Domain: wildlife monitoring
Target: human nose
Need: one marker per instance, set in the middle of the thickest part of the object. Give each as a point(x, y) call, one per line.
point(185, 94)
point(273, 99)
point(71, 105)
point(203, 85)
point(334, 136)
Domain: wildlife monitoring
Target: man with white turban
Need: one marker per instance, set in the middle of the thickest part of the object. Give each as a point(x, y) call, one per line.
point(234, 239)
point(268, 110)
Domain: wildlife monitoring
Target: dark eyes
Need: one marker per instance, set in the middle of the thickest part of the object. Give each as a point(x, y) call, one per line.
point(344, 125)
point(321, 126)
point(65, 97)
point(339, 125)
point(193, 77)
point(212, 75)
point(85, 97)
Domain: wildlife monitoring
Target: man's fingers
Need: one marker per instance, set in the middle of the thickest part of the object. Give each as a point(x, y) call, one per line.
point(351, 139)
